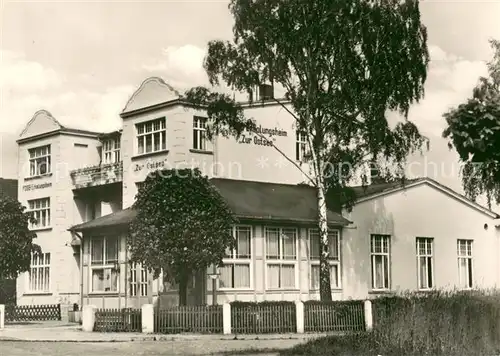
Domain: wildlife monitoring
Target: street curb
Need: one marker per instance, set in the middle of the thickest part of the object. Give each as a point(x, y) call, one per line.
point(156, 338)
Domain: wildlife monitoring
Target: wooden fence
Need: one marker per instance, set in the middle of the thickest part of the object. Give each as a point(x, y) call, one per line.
point(192, 319)
point(338, 316)
point(239, 318)
point(26, 313)
point(118, 320)
point(263, 318)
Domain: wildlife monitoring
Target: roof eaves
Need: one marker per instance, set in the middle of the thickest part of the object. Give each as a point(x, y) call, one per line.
point(290, 220)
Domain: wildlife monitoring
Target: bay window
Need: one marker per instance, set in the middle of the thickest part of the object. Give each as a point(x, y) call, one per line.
point(235, 272)
point(281, 258)
point(104, 263)
point(333, 258)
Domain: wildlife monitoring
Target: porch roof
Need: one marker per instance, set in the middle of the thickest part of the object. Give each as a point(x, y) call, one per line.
point(117, 219)
point(249, 200)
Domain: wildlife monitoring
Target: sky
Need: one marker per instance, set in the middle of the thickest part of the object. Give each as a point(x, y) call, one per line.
point(81, 60)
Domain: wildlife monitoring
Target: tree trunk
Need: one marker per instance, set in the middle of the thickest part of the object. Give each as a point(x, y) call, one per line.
point(325, 288)
point(183, 286)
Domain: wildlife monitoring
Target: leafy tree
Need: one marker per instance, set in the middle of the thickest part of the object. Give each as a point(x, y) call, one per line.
point(16, 240)
point(343, 65)
point(183, 225)
point(474, 131)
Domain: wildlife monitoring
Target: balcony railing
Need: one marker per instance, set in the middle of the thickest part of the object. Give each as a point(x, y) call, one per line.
point(97, 175)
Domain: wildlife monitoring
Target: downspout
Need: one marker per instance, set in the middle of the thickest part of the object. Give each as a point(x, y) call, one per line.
point(81, 267)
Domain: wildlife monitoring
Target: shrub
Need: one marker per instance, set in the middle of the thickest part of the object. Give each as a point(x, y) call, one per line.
point(439, 323)
point(436, 323)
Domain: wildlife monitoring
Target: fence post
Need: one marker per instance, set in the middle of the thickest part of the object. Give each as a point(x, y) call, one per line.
point(88, 318)
point(368, 315)
point(2, 316)
point(147, 318)
point(299, 313)
point(226, 318)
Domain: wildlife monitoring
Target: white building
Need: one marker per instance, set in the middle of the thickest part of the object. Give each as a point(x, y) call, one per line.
point(393, 239)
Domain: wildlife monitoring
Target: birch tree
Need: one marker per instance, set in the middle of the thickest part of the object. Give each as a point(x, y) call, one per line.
point(343, 65)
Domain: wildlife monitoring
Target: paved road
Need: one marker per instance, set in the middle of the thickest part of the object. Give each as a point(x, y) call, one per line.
point(144, 348)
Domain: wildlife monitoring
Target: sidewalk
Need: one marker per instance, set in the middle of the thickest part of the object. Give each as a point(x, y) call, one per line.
point(73, 333)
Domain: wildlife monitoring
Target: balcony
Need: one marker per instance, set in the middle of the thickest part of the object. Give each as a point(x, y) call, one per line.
point(97, 175)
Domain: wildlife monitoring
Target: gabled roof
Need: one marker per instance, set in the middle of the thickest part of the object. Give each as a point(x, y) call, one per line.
point(43, 124)
point(373, 189)
point(379, 190)
point(152, 92)
point(249, 200)
point(8, 187)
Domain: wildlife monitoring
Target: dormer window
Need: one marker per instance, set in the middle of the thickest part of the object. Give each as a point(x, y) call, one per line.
point(111, 151)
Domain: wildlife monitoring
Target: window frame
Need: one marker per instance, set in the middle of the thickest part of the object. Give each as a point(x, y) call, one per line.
point(162, 130)
point(200, 140)
point(235, 260)
point(469, 256)
point(429, 257)
point(104, 266)
point(280, 261)
point(300, 145)
point(136, 284)
point(111, 148)
point(34, 171)
point(372, 262)
point(313, 261)
point(42, 266)
point(35, 211)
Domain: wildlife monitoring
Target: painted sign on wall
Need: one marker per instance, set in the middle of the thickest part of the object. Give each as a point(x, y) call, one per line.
point(257, 139)
point(36, 186)
point(150, 165)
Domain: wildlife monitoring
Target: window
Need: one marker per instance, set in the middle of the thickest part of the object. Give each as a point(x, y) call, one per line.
point(235, 270)
point(151, 136)
point(199, 133)
point(39, 160)
point(111, 151)
point(138, 280)
point(464, 251)
point(425, 263)
point(281, 256)
point(380, 260)
point(40, 208)
point(39, 277)
point(104, 258)
point(334, 257)
point(300, 146)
